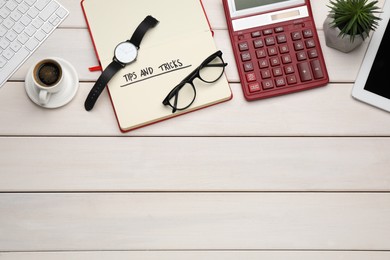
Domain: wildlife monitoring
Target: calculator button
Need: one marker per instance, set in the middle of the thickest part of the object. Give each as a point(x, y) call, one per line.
point(281, 38)
point(267, 84)
point(304, 71)
point(298, 46)
point(263, 63)
point(291, 79)
point(316, 67)
point(265, 74)
point(283, 48)
point(267, 31)
point(280, 82)
point(250, 77)
point(279, 29)
point(248, 66)
point(312, 53)
point(258, 43)
point(256, 34)
point(245, 56)
point(269, 41)
point(310, 43)
point(277, 72)
point(296, 36)
point(243, 46)
point(274, 61)
point(307, 33)
point(272, 51)
point(289, 69)
point(301, 55)
point(261, 53)
point(286, 59)
point(254, 87)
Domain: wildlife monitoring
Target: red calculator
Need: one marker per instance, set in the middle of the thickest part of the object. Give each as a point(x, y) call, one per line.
point(276, 46)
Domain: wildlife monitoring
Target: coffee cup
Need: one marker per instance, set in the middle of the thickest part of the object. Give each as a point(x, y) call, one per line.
point(48, 78)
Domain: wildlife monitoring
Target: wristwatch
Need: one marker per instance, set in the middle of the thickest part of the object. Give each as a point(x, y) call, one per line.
point(124, 54)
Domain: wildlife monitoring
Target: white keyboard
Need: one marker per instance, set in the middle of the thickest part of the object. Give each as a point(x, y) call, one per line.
point(24, 26)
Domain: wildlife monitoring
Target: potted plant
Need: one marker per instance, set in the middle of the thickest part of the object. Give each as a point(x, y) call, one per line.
point(349, 23)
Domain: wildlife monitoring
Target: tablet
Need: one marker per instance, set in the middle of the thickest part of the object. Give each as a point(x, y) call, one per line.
point(372, 83)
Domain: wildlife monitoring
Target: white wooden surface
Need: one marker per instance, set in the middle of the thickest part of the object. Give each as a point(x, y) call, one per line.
point(302, 176)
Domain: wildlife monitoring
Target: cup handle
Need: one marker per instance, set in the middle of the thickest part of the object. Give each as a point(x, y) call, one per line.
point(44, 97)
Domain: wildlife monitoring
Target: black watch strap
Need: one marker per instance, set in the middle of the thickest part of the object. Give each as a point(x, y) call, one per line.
point(100, 84)
point(115, 66)
point(143, 27)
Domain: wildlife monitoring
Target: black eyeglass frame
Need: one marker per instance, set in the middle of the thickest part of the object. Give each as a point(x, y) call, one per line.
point(174, 93)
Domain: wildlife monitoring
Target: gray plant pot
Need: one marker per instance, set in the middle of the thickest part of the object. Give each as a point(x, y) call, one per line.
point(334, 41)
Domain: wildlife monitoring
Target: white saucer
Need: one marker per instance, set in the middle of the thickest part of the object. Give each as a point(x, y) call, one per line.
point(65, 95)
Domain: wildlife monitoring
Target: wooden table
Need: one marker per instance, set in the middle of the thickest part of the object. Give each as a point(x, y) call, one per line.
point(300, 176)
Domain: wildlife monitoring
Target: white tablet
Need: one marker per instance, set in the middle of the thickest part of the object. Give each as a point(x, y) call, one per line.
point(372, 84)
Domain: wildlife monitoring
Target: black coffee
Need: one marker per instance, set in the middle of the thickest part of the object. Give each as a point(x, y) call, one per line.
point(49, 73)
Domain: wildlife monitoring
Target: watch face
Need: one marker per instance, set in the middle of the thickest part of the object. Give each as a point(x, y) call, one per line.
point(125, 52)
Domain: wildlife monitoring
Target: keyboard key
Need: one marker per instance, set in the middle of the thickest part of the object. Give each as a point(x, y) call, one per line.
point(11, 35)
point(47, 27)
point(16, 16)
point(61, 12)
point(3, 61)
point(11, 5)
point(3, 31)
point(9, 67)
point(49, 10)
point(8, 23)
point(32, 44)
point(41, 4)
point(40, 35)
point(23, 8)
point(24, 25)
point(4, 43)
point(8, 53)
point(25, 20)
point(23, 38)
point(30, 2)
point(33, 12)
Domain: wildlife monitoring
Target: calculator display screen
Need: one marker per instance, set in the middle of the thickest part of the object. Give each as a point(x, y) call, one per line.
point(245, 4)
point(380, 68)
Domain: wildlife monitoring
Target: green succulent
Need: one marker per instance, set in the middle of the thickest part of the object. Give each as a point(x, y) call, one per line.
point(354, 17)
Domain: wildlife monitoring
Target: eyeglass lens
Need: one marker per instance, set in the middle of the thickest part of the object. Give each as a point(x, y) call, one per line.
point(209, 71)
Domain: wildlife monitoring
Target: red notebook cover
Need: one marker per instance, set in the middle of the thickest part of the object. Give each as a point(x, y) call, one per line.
point(167, 54)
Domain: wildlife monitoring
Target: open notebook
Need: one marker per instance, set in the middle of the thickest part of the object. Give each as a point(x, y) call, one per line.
point(168, 53)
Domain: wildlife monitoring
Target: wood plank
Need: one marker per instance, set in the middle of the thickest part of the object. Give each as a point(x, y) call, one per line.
point(325, 111)
point(194, 221)
point(194, 164)
point(77, 48)
point(196, 255)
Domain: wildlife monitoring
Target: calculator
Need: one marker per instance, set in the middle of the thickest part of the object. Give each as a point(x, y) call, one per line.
point(276, 46)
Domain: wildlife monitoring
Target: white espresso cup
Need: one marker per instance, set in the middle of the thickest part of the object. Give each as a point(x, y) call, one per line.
point(48, 77)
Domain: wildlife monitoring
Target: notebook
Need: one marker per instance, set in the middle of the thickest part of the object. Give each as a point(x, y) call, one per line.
point(167, 54)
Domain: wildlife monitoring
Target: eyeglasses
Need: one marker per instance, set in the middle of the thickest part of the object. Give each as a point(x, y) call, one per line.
point(209, 71)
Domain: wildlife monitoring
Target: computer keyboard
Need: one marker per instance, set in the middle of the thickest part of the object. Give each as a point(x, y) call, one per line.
point(24, 26)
